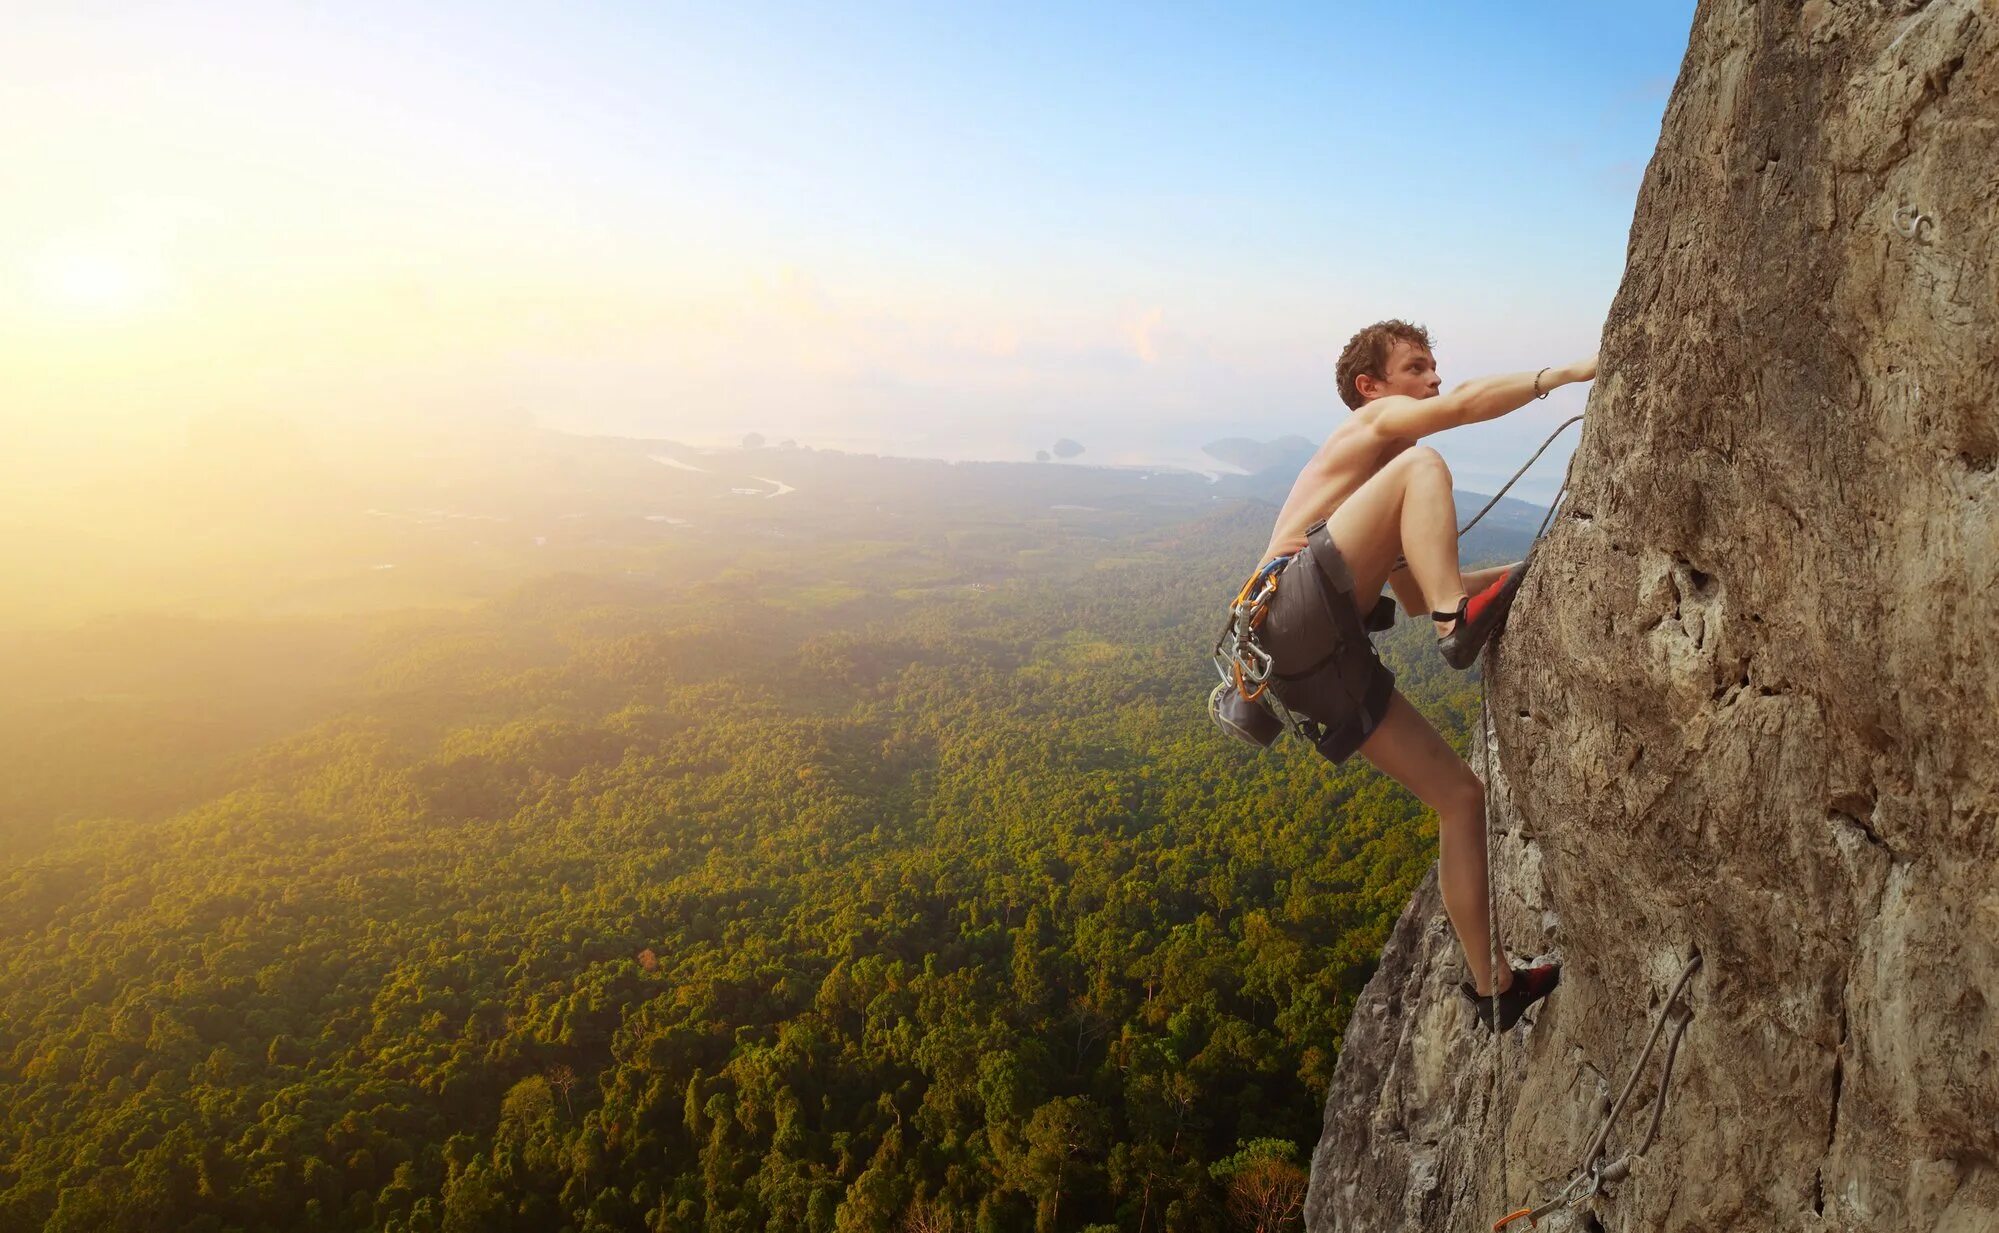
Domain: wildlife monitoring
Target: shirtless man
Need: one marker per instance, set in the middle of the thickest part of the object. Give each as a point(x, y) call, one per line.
point(1384, 498)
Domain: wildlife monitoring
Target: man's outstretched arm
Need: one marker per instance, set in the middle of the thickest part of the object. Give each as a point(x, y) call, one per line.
point(1483, 398)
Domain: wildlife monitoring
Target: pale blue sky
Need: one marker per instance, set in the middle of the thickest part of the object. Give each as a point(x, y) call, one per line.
point(950, 229)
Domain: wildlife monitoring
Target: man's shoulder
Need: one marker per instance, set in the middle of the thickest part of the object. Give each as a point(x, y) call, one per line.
point(1373, 413)
point(1360, 433)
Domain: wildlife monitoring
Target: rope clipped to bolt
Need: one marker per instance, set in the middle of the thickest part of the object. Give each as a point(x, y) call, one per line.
point(1596, 1172)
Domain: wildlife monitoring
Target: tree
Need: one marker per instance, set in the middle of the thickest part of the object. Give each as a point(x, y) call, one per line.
point(928, 1217)
point(562, 1077)
point(1059, 1131)
point(473, 1202)
point(1265, 1189)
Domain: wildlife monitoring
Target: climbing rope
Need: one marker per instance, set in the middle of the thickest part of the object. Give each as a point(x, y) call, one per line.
point(1494, 956)
point(1595, 1172)
point(1494, 953)
point(1561, 428)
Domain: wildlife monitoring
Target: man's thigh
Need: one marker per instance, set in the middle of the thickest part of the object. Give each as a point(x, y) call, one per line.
point(1367, 527)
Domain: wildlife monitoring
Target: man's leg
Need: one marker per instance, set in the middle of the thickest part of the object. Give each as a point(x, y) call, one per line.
point(1410, 596)
point(1410, 751)
point(1479, 579)
point(1404, 509)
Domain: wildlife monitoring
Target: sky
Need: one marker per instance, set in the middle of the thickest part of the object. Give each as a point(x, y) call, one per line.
point(937, 229)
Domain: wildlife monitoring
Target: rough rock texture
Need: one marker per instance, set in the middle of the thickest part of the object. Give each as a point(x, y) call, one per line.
point(1749, 702)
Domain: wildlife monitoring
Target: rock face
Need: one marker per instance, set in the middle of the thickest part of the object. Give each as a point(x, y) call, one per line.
point(1748, 705)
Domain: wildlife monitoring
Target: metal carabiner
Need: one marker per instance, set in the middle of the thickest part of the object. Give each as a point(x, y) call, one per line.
point(1595, 1185)
point(1257, 662)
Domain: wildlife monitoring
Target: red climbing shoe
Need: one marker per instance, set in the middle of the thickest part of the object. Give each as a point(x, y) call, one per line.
point(1477, 617)
point(1529, 986)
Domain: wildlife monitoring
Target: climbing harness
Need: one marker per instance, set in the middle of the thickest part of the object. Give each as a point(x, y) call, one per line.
point(1236, 704)
point(1596, 1172)
point(1336, 700)
point(1250, 663)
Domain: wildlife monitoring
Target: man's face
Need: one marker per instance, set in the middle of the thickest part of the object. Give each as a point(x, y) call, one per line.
point(1412, 370)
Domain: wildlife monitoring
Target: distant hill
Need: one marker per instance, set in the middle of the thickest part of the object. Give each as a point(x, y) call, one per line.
point(1255, 456)
point(1508, 515)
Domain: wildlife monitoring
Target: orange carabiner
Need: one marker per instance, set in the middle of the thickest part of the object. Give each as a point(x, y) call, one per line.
point(1525, 1211)
point(1242, 686)
point(1243, 594)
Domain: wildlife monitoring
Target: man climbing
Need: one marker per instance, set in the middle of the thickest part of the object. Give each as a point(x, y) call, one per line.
point(1388, 517)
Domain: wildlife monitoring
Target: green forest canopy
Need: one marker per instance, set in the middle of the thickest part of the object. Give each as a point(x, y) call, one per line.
point(866, 884)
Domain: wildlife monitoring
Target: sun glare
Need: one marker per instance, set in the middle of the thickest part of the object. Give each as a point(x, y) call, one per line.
point(93, 281)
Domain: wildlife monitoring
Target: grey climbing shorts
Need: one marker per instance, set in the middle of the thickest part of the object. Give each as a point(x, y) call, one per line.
point(1323, 665)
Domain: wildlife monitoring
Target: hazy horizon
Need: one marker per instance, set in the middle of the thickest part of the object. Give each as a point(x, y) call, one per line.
point(960, 233)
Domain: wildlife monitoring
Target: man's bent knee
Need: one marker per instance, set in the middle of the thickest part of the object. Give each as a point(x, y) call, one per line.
point(1424, 458)
point(1461, 796)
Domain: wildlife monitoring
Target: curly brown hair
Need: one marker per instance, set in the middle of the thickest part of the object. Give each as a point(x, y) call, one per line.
point(1368, 352)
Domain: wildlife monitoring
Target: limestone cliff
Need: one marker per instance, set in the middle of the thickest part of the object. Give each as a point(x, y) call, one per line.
point(1749, 702)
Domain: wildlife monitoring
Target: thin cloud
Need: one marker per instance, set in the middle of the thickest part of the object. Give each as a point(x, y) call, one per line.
point(1144, 335)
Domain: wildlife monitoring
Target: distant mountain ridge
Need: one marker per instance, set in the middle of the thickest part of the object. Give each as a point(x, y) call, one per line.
point(1254, 456)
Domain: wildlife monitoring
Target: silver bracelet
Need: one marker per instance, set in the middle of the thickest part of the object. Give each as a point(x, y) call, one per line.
point(1538, 391)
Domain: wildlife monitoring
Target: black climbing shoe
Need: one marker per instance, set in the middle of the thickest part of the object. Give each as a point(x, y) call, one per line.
point(1477, 617)
point(1529, 986)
